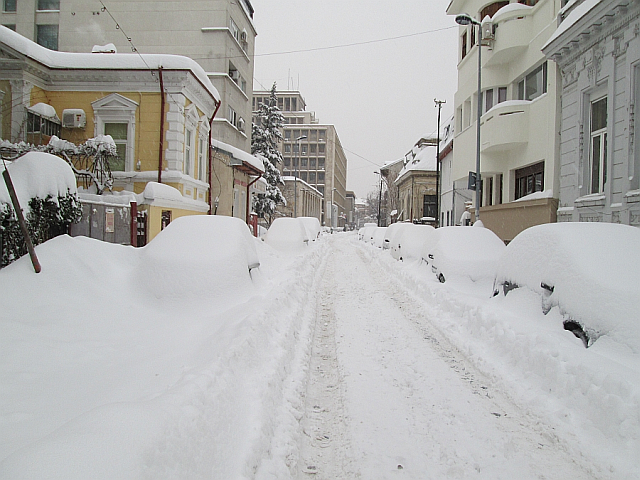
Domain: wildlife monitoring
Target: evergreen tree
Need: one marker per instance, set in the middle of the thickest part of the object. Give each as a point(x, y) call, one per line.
point(265, 136)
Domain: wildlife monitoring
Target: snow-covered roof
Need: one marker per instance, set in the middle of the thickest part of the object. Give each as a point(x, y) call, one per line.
point(575, 16)
point(115, 61)
point(241, 155)
point(290, 178)
point(44, 110)
point(424, 160)
point(161, 195)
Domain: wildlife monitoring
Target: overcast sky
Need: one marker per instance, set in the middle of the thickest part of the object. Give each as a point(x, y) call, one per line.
point(379, 95)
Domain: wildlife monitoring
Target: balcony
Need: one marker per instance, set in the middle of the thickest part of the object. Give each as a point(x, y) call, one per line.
point(513, 26)
point(505, 126)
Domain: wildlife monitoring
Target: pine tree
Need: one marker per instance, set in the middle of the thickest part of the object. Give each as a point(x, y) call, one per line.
point(265, 136)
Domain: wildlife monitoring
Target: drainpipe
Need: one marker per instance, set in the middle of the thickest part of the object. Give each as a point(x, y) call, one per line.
point(161, 152)
point(248, 187)
point(210, 158)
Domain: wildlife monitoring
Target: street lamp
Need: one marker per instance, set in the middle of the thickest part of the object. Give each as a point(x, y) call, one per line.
point(333, 216)
point(466, 19)
point(295, 178)
point(379, 197)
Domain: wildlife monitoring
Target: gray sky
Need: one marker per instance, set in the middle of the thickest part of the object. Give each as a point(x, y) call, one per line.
point(379, 95)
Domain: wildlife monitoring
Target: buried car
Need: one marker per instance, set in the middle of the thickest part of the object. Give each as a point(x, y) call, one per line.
point(470, 252)
point(589, 271)
point(312, 224)
point(287, 234)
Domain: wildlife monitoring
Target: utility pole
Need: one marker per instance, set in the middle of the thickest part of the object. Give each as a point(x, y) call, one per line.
point(439, 106)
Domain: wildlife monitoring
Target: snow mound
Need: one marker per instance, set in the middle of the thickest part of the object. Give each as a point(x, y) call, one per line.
point(218, 251)
point(590, 271)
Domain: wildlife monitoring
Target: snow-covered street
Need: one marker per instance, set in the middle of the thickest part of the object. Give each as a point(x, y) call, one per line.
point(390, 397)
point(334, 361)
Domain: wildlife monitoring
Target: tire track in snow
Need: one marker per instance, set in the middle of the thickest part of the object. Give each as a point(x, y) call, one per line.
point(403, 401)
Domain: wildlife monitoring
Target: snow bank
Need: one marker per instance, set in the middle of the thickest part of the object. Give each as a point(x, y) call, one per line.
point(593, 270)
point(101, 380)
point(38, 174)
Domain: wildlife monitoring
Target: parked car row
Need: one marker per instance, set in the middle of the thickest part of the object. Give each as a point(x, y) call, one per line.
point(590, 272)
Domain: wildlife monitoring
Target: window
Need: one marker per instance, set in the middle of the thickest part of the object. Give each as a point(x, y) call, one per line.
point(464, 44)
point(321, 163)
point(488, 97)
point(312, 177)
point(322, 135)
point(287, 148)
point(202, 160)
point(47, 36)
point(529, 180)
point(118, 132)
point(287, 162)
point(287, 134)
point(233, 29)
point(294, 104)
point(312, 148)
point(429, 206)
point(232, 116)
point(304, 149)
point(287, 104)
point(320, 177)
point(48, 4)
point(9, 5)
point(490, 10)
point(534, 84)
point(312, 163)
point(321, 149)
point(303, 176)
point(598, 150)
point(502, 94)
point(42, 125)
point(188, 152)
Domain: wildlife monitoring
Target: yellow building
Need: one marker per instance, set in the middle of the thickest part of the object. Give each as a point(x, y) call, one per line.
point(157, 108)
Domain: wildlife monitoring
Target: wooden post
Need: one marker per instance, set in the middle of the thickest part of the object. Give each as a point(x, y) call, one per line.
point(23, 224)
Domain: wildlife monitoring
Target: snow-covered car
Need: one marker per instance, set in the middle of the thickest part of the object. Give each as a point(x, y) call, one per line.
point(367, 233)
point(395, 243)
point(360, 233)
point(590, 271)
point(312, 224)
point(287, 234)
point(413, 239)
point(196, 246)
point(391, 230)
point(378, 236)
point(471, 252)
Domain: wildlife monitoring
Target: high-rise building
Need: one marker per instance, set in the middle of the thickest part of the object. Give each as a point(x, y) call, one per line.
point(218, 34)
point(318, 158)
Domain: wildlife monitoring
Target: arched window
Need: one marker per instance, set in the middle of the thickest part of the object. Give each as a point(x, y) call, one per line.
point(490, 10)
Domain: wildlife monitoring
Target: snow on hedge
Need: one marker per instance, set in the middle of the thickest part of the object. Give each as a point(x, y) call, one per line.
point(38, 175)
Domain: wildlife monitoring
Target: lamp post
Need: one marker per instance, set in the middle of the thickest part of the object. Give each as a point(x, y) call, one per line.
point(295, 177)
point(379, 198)
point(439, 105)
point(333, 217)
point(466, 19)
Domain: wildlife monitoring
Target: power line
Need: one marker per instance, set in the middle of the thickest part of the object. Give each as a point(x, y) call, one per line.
point(333, 47)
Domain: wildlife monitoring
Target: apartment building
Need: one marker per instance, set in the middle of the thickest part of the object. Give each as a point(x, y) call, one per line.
point(318, 158)
point(597, 46)
point(218, 34)
point(520, 112)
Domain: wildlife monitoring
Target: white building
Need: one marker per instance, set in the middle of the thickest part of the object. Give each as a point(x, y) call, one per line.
point(519, 108)
point(597, 46)
point(218, 34)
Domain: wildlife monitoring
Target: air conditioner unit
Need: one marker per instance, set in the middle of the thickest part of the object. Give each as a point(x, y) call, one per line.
point(487, 31)
point(243, 36)
point(74, 118)
point(241, 124)
point(234, 74)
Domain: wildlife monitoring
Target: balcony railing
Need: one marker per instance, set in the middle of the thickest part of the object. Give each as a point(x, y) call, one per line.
point(505, 126)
